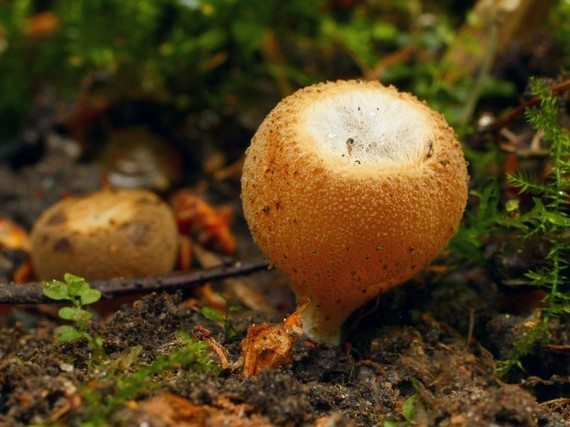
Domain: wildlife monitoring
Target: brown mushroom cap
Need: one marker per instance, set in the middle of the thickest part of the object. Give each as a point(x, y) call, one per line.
point(109, 233)
point(350, 188)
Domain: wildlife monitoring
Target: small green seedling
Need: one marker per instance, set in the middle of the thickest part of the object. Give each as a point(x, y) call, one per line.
point(410, 407)
point(413, 411)
point(191, 356)
point(79, 293)
point(222, 318)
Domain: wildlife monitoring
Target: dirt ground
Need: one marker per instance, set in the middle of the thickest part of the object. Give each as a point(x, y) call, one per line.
point(438, 338)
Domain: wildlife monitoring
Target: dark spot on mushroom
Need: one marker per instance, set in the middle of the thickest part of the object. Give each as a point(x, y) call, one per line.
point(57, 219)
point(430, 149)
point(63, 245)
point(137, 232)
point(148, 201)
point(412, 249)
point(265, 209)
point(349, 145)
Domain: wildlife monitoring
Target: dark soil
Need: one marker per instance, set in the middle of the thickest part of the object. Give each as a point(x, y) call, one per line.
point(436, 339)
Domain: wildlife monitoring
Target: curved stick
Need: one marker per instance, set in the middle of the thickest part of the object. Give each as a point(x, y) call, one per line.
point(513, 114)
point(32, 293)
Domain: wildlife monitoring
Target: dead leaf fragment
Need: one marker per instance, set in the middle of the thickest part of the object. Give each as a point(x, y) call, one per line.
point(248, 296)
point(208, 225)
point(175, 411)
point(269, 345)
point(202, 334)
point(42, 25)
point(13, 236)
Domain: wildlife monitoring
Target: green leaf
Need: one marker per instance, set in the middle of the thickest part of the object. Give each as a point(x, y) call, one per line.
point(56, 290)
point(83, 315)
point(68, 313)
point(557, 218)
point(77, 287)
point(73, 313)
point(89, 296)
point(213, 314)
point(67, 333)
point(72, 278)
point(512, 205)
point(409, 408)
point(249, 35)
point(95, 341)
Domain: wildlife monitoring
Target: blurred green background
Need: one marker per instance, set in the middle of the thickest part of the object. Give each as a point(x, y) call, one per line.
point(241, 56)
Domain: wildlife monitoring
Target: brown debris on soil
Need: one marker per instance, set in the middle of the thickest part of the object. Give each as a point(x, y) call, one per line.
point(41, 380)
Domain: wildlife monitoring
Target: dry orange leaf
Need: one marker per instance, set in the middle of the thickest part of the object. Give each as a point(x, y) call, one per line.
point(209, 225)
point(42, 25)
point(269, 345)
point(176, 411)
point(13, 236)
point(185, 253)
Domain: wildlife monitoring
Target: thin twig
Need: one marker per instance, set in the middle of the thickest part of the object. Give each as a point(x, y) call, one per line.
point(32, 293)
point(511, 115)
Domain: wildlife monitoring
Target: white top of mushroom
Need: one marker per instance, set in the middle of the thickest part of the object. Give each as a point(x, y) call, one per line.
point(368, 127)
point(100, 211)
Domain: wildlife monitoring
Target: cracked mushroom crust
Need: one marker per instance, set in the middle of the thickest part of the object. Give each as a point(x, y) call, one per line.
point(351, 188)
point(106, 234)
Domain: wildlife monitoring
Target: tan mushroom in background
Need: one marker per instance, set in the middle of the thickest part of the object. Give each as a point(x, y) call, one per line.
point(351, 188)
point(106, 234)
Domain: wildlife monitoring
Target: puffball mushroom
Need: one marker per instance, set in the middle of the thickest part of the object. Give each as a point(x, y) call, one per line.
point(350, 188)
point(106, 234)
